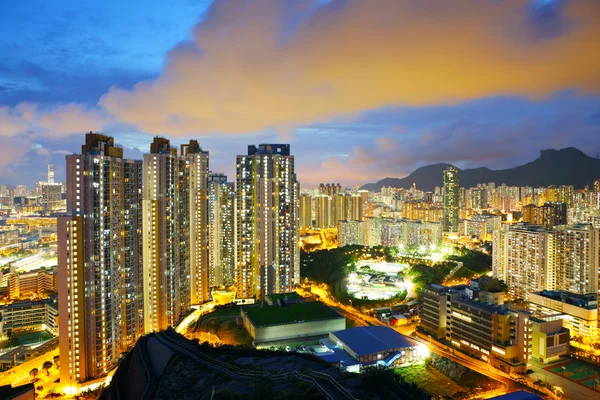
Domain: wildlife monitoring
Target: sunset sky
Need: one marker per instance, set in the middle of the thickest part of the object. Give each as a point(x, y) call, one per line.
point(362, 89)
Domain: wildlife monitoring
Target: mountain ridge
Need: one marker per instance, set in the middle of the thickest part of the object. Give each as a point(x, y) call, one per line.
point(567, 166)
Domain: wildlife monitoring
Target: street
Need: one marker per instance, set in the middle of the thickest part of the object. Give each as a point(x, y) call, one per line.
point(19, 375)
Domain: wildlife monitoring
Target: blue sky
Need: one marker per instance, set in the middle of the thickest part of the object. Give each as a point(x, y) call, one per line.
point(361, 92)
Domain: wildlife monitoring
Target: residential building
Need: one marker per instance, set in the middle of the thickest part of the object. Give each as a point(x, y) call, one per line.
point(306, 211)
point(481, 227)
point(523, 257)
point(268, 258)
point(99, 260)
point(451, 199)
point(351, 233)
point(221, 230)
point(550, 214)
point(175, 203)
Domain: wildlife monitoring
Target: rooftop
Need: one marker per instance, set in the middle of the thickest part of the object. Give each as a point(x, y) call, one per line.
point(364, 340)
point(290, 314)
point(587, 301)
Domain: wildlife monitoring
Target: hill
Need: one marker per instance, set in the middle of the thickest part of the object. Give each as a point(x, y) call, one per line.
point(568, 166)
point(167, 366)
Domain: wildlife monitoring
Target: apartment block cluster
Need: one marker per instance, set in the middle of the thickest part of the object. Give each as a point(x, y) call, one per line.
point(532, 258)
point(143, 240)
point(47, 198)
point(474, 319)
point(477, 211)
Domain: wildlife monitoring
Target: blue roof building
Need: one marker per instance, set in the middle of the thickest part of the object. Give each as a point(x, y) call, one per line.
point(371, 345)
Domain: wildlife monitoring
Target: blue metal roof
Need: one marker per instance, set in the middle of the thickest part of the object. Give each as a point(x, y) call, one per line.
point(365, 340)
point(520, 395)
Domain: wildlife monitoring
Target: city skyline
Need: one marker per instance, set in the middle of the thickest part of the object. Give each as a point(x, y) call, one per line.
point(70, 82)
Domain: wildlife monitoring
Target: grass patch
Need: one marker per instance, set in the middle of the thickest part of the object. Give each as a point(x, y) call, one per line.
point(429, 379)
point(299, 312)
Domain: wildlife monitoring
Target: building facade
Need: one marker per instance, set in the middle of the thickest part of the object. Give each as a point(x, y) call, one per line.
point(267, 221)
point(221, 228)
point(175, 204)
point(99, 260)
point(451, 199)
point(532, 258)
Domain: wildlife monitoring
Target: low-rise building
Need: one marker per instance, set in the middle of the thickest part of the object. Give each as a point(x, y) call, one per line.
point(480, 324)
point(578, 312)
point(354, 348)
point(29, 316)
point(550, 340)
point(292, 321)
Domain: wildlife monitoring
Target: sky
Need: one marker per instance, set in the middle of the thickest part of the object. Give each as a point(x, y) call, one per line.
point(362, 90)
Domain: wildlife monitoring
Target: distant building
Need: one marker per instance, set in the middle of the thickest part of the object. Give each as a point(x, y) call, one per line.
point(451, 199)
point(28, 316)
point(550, 214)
point(351, 233)
point(306, 211)
point(34, 283)
point(481, 227)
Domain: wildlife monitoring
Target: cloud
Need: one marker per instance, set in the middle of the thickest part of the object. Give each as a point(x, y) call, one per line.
point(466, 144)
point(22, 126)
point(237, 75)
point(59, 121)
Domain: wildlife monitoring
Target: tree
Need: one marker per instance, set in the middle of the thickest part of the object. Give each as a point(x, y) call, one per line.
point(33, 373)
point(46, 366)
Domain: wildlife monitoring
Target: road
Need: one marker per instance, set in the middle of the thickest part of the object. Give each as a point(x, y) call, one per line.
point(355, 315)
point(19, 375)
point(571, 389)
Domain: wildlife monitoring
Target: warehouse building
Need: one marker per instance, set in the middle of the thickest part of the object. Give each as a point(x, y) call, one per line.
point(292, 321)
point(352, 349)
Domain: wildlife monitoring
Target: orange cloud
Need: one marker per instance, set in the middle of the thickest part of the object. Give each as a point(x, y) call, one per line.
point(62, 120)
point(247, 71)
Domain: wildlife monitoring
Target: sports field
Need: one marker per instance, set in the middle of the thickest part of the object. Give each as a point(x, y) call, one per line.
point(579, 372)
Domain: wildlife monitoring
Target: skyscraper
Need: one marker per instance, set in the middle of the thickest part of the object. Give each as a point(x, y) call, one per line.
point(50, 173)
point(531, 258)
point(99, 258)
point(175, 238)
point(51, 192)
point(451, 198)
point(221, 228)
point(267, 221)
point(306, 210)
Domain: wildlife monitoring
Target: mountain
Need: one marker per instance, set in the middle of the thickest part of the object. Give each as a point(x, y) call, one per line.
point(568, 166)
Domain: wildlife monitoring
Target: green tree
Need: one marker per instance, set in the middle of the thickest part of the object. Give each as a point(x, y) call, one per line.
point(46, 366)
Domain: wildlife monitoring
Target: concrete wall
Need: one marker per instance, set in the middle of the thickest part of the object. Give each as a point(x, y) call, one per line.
point(290, 331)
